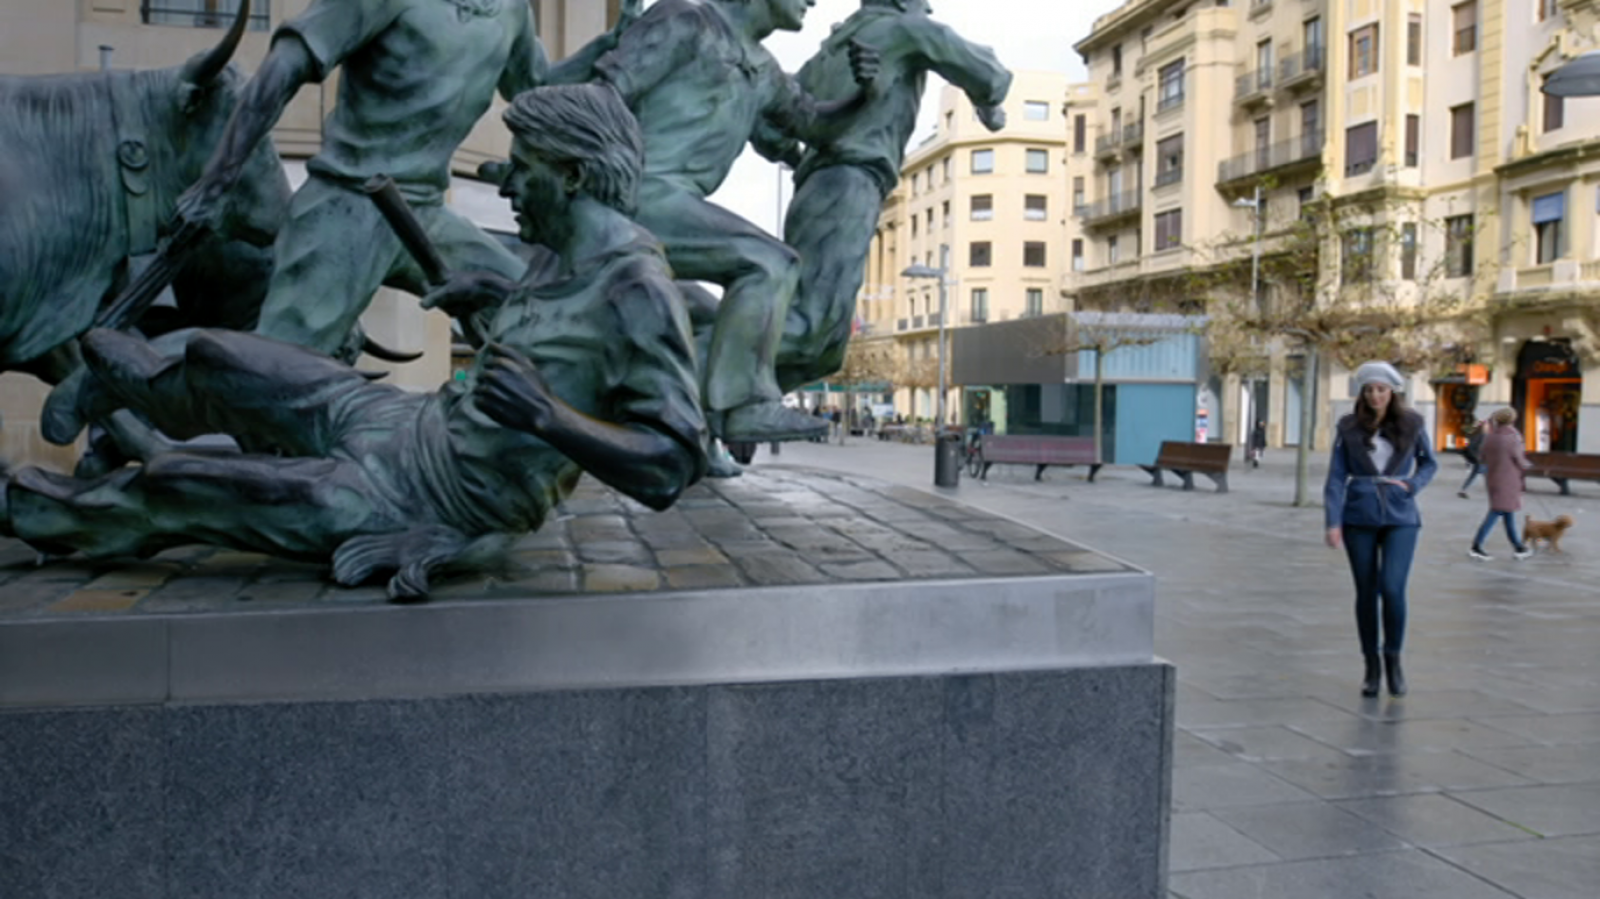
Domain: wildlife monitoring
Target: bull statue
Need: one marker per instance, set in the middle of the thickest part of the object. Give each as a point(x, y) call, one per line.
point(91, 166)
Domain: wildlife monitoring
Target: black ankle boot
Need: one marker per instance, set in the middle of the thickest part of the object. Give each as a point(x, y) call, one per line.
point(1397, 678)
point(1374, 675)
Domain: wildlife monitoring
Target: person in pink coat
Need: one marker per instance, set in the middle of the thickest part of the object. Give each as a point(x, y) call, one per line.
point(1503, 461)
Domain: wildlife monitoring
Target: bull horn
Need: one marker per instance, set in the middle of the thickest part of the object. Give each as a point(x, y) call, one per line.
point(378, 351)
point(201, 69)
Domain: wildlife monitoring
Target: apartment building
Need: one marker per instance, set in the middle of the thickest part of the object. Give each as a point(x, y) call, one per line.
point(988, 207)
point(1425, 114)
point(49, 36)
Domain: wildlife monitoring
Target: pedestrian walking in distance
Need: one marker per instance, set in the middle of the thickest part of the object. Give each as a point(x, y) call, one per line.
point(1381, 459)
point(1503, 463)
point(1473, 453)
point(1258, 443)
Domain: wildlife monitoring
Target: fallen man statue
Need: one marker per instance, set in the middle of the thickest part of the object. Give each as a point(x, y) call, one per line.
point(589, 368)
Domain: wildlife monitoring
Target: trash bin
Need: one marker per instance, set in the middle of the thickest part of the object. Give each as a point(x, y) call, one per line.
point(947, 460)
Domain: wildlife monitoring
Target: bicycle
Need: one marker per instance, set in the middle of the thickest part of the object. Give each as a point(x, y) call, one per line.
point(973, 457)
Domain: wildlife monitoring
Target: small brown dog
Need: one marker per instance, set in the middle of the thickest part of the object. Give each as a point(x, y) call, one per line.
point(1548, 531)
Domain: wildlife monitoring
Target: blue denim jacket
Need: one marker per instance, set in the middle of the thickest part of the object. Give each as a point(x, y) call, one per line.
point(1355, 492)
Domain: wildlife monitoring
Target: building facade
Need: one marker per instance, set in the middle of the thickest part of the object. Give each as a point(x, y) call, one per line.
point(988, 207)
point(49, 36)
point(1421, 121)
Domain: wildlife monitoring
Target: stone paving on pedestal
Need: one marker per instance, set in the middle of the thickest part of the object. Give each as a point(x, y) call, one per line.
point(767, 528)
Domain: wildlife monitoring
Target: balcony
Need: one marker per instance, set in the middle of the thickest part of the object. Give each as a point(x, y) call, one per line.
point(1253, 88)
point(1170, 99)
point(917, 323)
point(1113, 208)
point(1107, 145)
point(1559, 278)
point(1300, 71)
point(1133, 136)
point(1305, 150)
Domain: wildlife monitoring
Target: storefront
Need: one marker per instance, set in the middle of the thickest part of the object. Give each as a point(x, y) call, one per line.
point(1457, 404)
point(1547, 392)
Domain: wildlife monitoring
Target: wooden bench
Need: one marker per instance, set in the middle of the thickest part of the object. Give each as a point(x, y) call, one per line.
point(1040, 450)
point(1184, 459)
point(1564, 467)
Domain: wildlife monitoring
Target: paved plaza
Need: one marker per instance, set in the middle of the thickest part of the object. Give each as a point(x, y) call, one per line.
point(1483, 782)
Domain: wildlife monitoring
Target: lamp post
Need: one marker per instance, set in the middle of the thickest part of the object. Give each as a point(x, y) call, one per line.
point(1578, 78)
point(946, 472)
point(1254, 205)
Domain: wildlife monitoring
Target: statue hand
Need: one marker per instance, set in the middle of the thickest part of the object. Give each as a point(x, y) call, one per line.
point(199, 209)
point(494, 171)
point(864, 63)
point(992, 117)
point(469, 292)
point(511, 391)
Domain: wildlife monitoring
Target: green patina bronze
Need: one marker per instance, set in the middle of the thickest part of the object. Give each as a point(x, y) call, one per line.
point(590, 367)
point(840, 184)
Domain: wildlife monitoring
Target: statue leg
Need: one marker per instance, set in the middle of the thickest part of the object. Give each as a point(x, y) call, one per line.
point(295, 508)
point(758, 274)
point(830, 223)
point(332, 255)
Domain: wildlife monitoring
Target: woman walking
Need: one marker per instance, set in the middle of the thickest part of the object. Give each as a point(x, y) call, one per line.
point(1503, 463)
point(1381, 460)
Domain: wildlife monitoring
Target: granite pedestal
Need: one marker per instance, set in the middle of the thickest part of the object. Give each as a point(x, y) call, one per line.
point(792, 685)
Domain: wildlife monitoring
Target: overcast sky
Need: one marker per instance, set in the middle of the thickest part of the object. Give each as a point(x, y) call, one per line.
point(1027, 34)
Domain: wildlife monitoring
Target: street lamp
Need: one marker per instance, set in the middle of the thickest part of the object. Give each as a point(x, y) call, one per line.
point(918, 270)
point(947, 460)
point(1254, 205)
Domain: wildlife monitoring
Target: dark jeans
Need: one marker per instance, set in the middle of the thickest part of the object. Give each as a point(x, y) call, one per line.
point(1473, 476)
point(1510, 518)
point(1380, 560)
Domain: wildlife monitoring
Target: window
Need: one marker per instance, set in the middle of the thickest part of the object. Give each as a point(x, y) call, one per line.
point(1170, 90)
point(930, 221)
point(1547, 9)
point(1035, 207)
point(1548, 213)
point(1465, 16)
point(1408, 251)
point(1078, 199)
point(1264, 64)
point(1461, 131)
point(1033, 254)
point(1360, 148)
point(1036, 110)
point(1077, 254)
point(1304, 198)
point(1034, 303)
point(1111, 250)
point(1169, 230)
point(944, 212)
point(1458, 246)
point(1555, 113)
point(1116, 61)
point(980, 304)
point(980, 254)
point(1311, 127)
point(982, 162)
point(944, 169)
point(1311, 36)
point(204, 13)
point(914, 220)
point(1038, 162)
point(1414, 40)
point(1364, 51)
point(1413, 138)
point(1080, 133)
point(982, 207)
point(1263, 132)
point(949, 122)
point(1355, 260)
point(1169, 160)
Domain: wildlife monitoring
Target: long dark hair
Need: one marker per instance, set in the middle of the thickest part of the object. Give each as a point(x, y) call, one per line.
point(1399, 425)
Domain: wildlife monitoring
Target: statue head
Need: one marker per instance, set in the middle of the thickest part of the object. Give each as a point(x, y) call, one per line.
point(567, 140)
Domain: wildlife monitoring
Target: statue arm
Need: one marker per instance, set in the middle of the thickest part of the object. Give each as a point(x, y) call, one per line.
point(971, 67)
point(774, 145)
point(644, 461)
point(580, 66)
point(648, 52)
point(528, 67)
point(799, 114)
point(288, 66)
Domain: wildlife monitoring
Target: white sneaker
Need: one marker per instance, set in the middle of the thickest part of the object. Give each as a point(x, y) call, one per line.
point(1522, 553)
point(1479, 554)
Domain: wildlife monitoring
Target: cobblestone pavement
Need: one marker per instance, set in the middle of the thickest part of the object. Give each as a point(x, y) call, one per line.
point(1483, 782)
point(768, 528)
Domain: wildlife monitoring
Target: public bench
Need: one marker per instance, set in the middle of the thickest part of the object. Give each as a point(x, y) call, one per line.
point(1184, 459)
point(1041, 451)
point(1564, 467)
